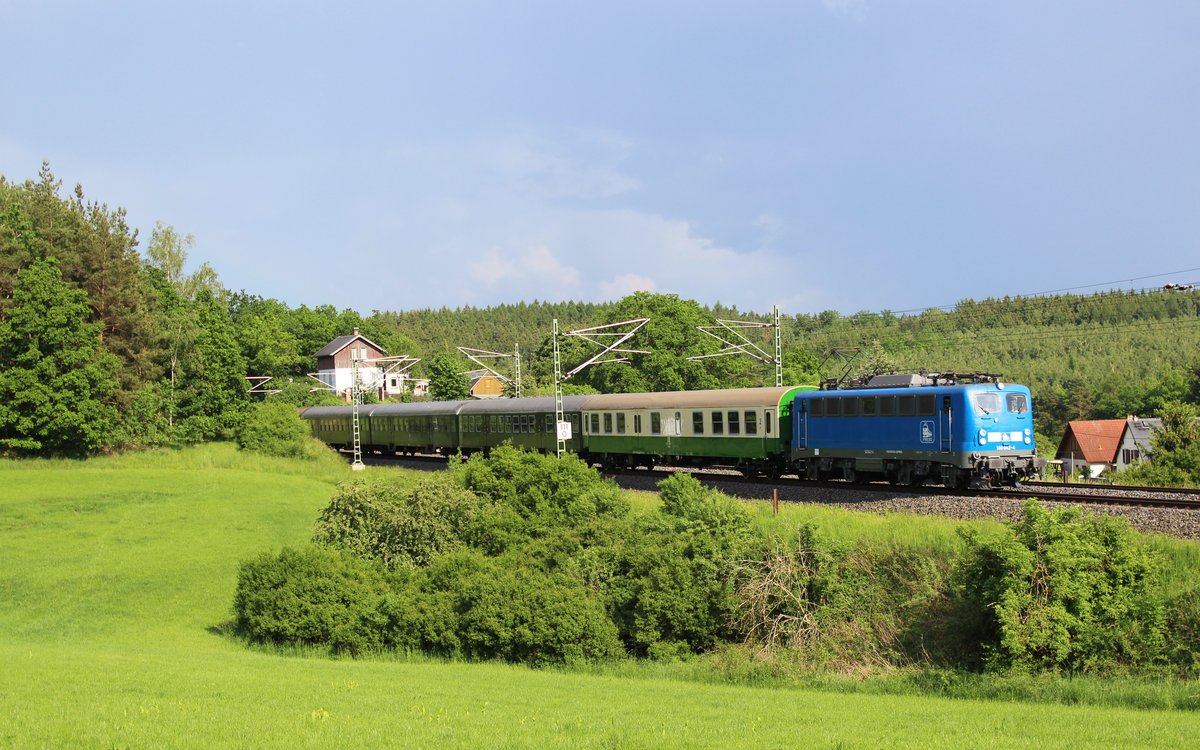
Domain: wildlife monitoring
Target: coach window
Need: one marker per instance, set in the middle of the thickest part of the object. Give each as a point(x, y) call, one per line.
point(850, 407)
point(735, 425)
point(697, 423)
point(816, 407)
point(833, 407)
point(887, 406)
point(751, 423)
point(637, 424)
point(621, 423)
point(906, 406)
point(767, 431)
point(926, 406)
point(718, 423)
point(655, 423)
point(595, 420)
point(869, 406)
point(608, 424)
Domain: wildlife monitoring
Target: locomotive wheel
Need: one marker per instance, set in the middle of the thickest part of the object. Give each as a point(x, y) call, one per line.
point(849, 473)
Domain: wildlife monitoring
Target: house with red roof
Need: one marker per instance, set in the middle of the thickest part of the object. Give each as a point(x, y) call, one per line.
point(1091, 443)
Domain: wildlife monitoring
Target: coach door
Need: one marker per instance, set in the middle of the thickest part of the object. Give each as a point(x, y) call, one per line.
point(947, 425)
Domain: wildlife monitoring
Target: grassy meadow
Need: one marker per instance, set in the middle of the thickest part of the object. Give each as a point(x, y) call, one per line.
point(116, 579)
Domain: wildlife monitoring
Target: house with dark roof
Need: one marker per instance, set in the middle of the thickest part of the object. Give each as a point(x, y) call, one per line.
point(1135, 441)
point(1091, 443)
point(335, 369)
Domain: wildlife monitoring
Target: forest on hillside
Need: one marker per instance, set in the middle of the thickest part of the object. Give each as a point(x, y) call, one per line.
point(107, 344)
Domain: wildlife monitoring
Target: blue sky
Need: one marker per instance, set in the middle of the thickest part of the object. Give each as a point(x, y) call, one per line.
point(845, 154)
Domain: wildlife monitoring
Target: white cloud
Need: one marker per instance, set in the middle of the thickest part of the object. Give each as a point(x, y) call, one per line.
point(626, 284)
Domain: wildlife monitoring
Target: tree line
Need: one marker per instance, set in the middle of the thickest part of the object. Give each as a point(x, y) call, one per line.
point(105, 347)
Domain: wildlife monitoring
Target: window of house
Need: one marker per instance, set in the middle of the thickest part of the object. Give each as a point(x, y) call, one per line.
point(751, 423)
point(697, 423)
point(718, 423)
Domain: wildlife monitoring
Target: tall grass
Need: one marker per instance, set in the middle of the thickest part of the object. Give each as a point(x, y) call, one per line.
point(116, 577)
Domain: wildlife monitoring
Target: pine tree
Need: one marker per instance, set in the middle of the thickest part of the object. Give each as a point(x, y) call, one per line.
point(56, 380)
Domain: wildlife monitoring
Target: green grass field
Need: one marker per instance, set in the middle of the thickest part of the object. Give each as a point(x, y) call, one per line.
point(116, 578)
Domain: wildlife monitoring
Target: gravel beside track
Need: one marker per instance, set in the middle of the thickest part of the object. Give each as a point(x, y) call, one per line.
point(880, 498)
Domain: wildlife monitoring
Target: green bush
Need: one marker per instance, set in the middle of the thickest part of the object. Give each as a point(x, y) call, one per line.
point(311, 596)
point(466, 604)
point(276, 429)
point(543, 490)
point(1062, 590)
point(398, 523)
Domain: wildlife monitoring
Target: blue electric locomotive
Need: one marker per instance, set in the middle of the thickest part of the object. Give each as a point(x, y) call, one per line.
point(962, 431)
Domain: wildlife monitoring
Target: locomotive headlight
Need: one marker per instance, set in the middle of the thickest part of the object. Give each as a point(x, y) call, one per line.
point(982, 439)
point(982, 432)
point(1028, 432)
point(1028, 440)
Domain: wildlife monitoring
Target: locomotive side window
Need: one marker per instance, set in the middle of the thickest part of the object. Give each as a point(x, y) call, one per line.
point(833, 407)
point(816, 407)
point(1017, 403)
point(850, 407)
point(735, 425)
point(906, 406)
point(751, 423)
point(718, 423)
point(926, 406)
point(869, 406)
point(697, 423)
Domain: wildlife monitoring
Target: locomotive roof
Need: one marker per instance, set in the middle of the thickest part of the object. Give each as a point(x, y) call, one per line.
point(689, 399)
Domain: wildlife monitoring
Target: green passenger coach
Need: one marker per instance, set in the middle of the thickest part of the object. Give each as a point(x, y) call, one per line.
point(748, 429)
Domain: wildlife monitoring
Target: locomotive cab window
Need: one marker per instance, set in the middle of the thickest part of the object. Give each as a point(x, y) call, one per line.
point(1017, 403)
point(986, 402)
